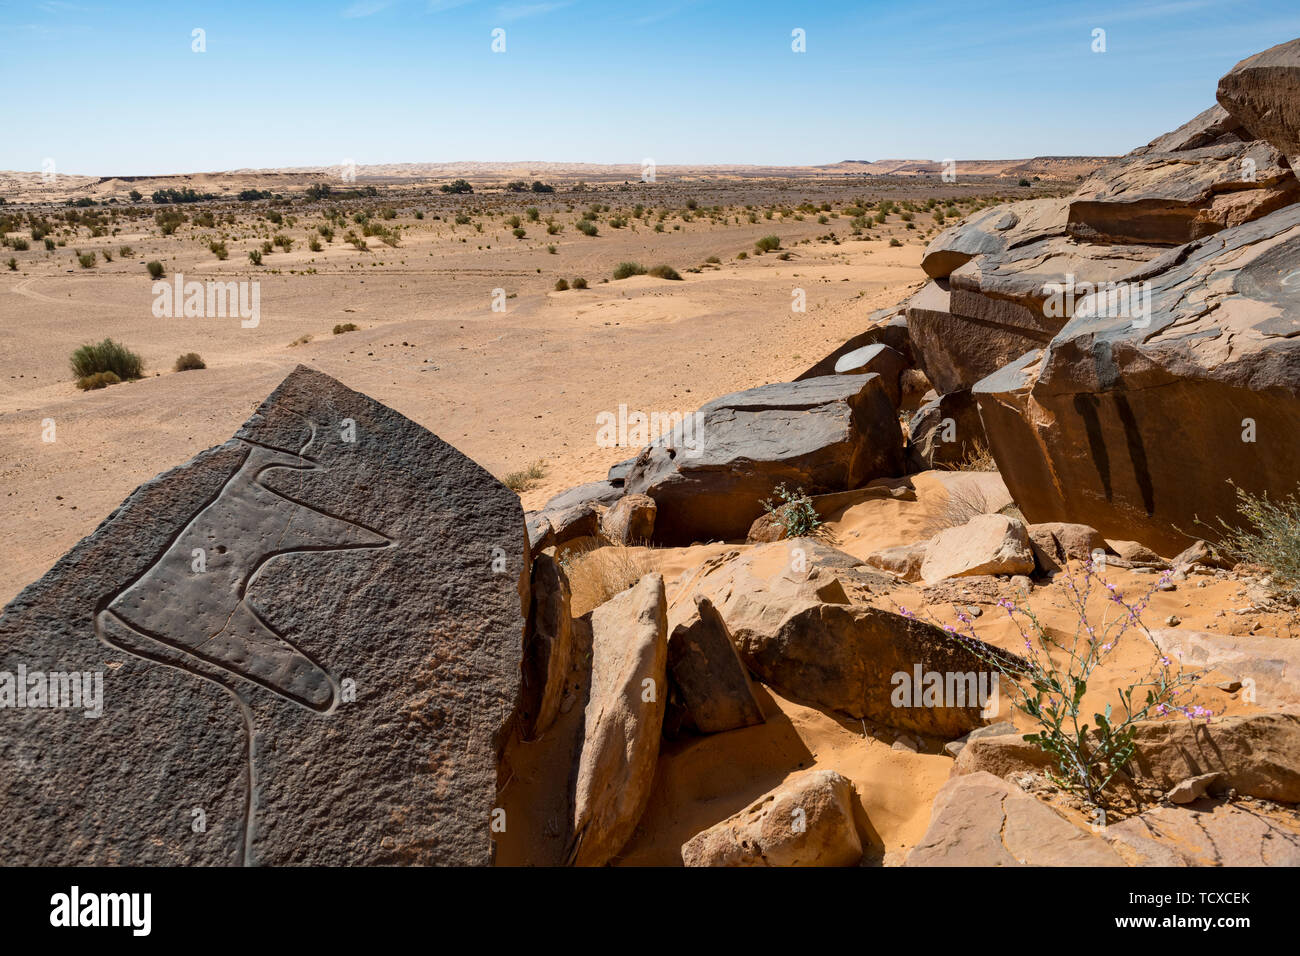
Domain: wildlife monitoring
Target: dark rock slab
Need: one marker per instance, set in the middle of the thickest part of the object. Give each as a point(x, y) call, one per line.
point(309, 649)
point(1262, 92)
point(1212, 127)
point(1135, 427)
point(1175, 197)
point(948, 430)
point(886, 327)
point(822, 434)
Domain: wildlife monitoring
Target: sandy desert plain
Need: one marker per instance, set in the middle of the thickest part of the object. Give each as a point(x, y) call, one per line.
point(508, 389)
point(523, 388)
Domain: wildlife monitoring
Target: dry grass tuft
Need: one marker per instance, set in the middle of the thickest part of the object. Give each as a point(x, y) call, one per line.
point(597, 573)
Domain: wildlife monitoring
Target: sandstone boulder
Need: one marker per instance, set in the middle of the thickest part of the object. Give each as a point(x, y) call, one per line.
point(992, 231)
point(1226, 834)
point(884, 327)
point(1212, 127)
point(821, 434)
point(791, 620)
point(287, 629)
point(576, 513)
point(1111, 425)
point(630, 520)
point(987, 544)
point(623, 720)
point(981, 820)
point(1173, 198)
point(706, 670)
point(1258, 754)
point(548, 648)
point(1268, 667)
point(947, 431)
point(1056, 542)
point(806, 821)
point(1262, 92)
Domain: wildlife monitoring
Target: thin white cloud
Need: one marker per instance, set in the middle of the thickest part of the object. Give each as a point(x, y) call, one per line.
point(520, 11)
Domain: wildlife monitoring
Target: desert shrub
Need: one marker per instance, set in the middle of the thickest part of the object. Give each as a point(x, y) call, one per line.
point(768, 244)
point(106, 356)
point(976, 457)
point(462, 219)
point(86, 259)
point(513, 222)
point(255, 256)
point(1269, 538)
point(596, 574)
point(99, 380)
point(218, 249)
point(457, 186)
point(300, 340)
point(533, 213)
point(49, 244)
point(345, 327)
point(519, 233)
point(580, 283)
point(625, 270)
point(12, 263)
point(155, 269)
point(189, 362)
point(665, 272)
point(552, 250)
point(554, 229)
point(795, 513)
point(520, 481)
point(561, 285)
point(124, 251)
point(168, 220)
point(314, 244)
point(284, 242)
point(587, 227)
point(965, 500)
point(894, 243)
point(714, 260)
point(1050, 677)
point(19, 245)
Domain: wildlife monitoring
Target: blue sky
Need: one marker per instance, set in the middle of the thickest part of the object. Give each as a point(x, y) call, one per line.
point(114, 88)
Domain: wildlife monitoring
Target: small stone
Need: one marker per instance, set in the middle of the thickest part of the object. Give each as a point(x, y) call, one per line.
point(1230, 686)
point(1173, 620)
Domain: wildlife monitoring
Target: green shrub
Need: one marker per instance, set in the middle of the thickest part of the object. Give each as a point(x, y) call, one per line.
point(894, 243)
point(561, 285)
point(768, 244)
point(155, 269)
point(345, 327)
point(189, 362)
point(795, 514)
point(12, 263)
point(519, 233)
point(580, 283)
point(106, 356)
point(125, 252)
point(1269, 539)
point(255, 256)
point(625, 270)
point(86, 259)
point(665, 272)
point(99, 380)
point(218, 249)
point(587, 227)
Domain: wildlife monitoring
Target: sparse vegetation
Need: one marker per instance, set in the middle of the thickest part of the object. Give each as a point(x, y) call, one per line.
point(768, 244)
point(527, 479)
point(106, 356)
point(345, 327)
point(796, 513)
point(155, 269)
point(625, 270)
point(89, 383)
point(596, 574)
point(189, 362)
point(665, 272)
point(1269, 538)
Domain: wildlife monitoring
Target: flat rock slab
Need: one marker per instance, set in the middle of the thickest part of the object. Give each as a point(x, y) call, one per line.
point(710, 478)
point(309, 643)
point(982, 820)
